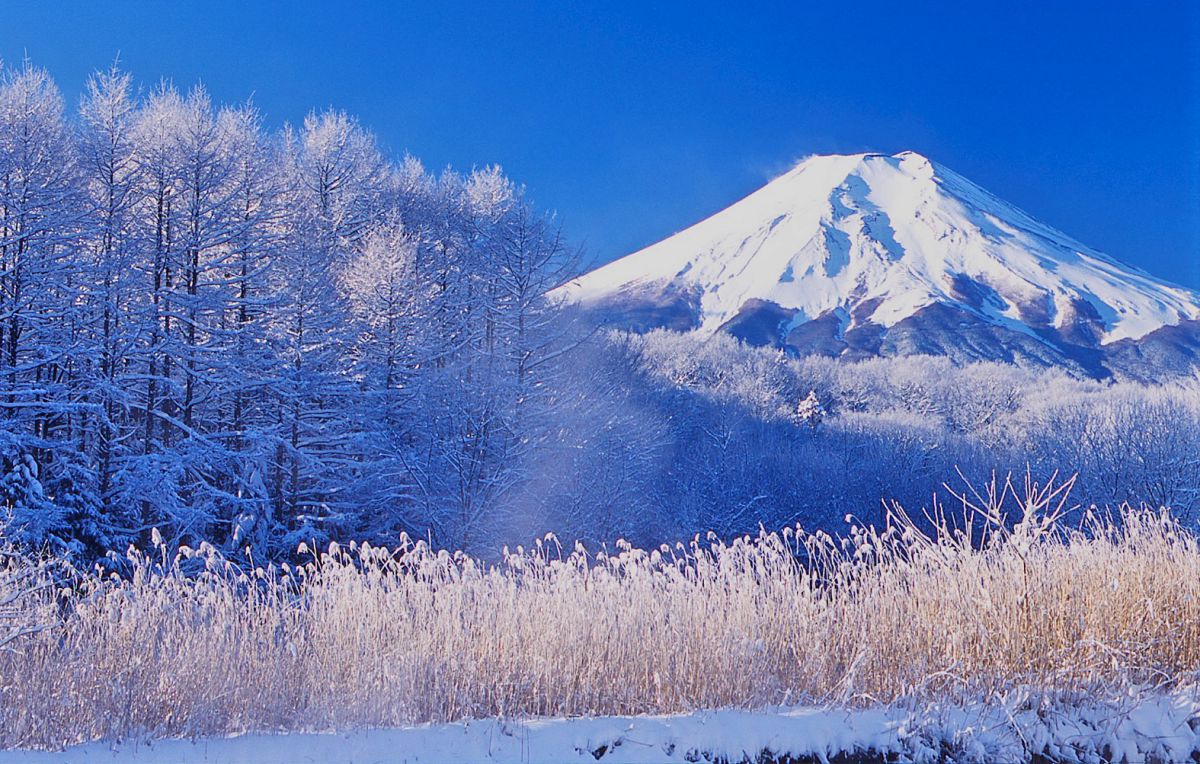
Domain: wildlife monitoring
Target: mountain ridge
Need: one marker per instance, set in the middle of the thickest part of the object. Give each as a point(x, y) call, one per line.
point(875, 254)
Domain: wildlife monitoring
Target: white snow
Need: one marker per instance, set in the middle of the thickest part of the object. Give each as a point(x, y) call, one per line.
point(1131, 729)
point(837, 231)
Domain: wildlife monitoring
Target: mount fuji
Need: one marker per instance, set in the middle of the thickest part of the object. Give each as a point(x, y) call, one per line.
point(877, 255)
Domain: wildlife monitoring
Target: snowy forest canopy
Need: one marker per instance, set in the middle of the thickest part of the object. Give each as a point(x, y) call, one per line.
point(256, 339)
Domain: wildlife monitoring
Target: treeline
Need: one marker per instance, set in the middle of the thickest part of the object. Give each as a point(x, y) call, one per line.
point(254, 338)
point(730, 436)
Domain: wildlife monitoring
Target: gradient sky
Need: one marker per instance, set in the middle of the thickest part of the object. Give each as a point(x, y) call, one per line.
point(635, 120)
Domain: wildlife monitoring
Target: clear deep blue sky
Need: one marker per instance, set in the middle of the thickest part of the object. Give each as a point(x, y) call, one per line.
point(635, 120)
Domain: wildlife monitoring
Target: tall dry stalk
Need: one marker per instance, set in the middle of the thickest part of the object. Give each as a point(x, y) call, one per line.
point(955, 607)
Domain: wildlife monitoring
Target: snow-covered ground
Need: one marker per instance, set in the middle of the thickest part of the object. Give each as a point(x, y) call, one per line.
point(1140, 728)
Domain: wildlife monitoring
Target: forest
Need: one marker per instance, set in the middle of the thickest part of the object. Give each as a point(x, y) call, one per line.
point(216, 332)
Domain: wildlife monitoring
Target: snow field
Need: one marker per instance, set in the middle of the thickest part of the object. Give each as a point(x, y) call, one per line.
point(1152, 727)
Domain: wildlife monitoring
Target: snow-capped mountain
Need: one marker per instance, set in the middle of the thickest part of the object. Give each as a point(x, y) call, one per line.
point(872, 254)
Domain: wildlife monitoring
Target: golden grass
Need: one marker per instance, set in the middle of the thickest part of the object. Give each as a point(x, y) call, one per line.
point(191, 645)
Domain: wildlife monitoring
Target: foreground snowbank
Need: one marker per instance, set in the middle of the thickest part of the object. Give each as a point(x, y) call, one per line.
point(1159, 727)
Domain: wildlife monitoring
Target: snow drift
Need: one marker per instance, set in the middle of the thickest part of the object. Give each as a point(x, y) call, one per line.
point(1157, 727)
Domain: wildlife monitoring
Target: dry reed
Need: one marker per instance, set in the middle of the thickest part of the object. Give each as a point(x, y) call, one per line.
point(189, 644)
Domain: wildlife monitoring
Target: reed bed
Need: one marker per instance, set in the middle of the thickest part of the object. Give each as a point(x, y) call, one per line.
point(186, 643)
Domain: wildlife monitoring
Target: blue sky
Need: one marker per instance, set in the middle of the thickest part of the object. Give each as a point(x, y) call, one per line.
point(634, 120)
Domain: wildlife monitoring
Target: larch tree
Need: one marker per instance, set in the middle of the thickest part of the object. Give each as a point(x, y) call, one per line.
point(113, 299)
point(40, 218)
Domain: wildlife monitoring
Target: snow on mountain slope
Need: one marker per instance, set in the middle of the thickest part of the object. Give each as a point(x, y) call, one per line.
point(872, 254)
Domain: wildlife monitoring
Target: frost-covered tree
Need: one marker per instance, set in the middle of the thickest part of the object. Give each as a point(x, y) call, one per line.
point(809, 411)
point(41, 215)
point(336, 181)
point(113, 297)
point(255, 338)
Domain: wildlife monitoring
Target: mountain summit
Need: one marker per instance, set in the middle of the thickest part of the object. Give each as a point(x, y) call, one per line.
point(870, 254)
